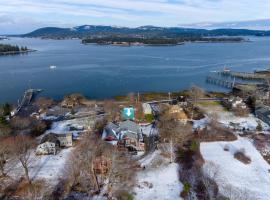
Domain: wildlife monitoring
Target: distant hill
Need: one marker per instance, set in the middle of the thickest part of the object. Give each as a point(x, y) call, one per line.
point(143, 31)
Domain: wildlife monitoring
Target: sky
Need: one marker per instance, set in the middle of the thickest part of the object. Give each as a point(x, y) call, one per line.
point(22, 16)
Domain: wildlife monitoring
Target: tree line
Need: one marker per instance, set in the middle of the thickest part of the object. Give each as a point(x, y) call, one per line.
point(5, 48)
point(158, 41)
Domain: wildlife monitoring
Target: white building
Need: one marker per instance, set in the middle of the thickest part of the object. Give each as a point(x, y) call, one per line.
point(46, 148)
point(147, 110)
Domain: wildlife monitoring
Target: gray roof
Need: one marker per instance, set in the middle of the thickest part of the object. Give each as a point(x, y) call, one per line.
point(130, 126)
point(112, 129)
point(264, 110)
point(49, 138)
point(126, 128)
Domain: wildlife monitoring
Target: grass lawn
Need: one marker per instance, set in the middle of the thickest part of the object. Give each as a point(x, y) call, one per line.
point(209, 103)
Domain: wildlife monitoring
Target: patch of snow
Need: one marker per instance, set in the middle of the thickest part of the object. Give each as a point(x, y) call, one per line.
point(253, 178)
point(87, 27)
point(49, 118)
point(248, 123)
point(161, 184)
point(148, 159)
point(202, 123)
point(47, 167)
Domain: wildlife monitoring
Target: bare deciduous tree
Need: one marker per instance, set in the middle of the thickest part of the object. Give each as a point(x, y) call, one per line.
point(20, 123)
point(5, 154)
point(21, 148)
point(112, 110)
point(122, 172)
point(196, 93)
point(173, 130)
point(44, 102)
point(210, 174)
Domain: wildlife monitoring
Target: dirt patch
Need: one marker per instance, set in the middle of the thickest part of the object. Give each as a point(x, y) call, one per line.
point(240, 155)
point(262, 143)
point(215, 132)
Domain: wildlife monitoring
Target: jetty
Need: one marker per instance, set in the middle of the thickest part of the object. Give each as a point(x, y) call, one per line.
point(231, 79)
point(220, 82)
point(26, 100)
point(244, 75)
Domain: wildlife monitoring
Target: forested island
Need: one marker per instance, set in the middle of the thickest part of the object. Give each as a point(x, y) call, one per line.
point(129, 41)
point(6, 49)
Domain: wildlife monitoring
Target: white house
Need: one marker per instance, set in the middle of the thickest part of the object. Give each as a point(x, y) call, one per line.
point(46, 148)
point(147, 110)
point(237, 102)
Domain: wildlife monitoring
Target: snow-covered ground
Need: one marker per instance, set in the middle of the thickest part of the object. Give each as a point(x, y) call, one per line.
point(249, 123)
point(47, 167)
point(229, 119)
point(61, 127)
point(159, 182)
point(202, 123)
point(236, 179)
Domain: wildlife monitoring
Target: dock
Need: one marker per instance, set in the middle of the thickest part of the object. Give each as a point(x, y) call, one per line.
point(26, 100)
point(220, 82)
point(243, 75)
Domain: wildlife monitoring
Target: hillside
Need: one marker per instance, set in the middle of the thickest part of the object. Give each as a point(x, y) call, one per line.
point(145, 31)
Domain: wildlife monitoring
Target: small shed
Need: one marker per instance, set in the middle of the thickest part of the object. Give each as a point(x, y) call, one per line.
point(147, 109)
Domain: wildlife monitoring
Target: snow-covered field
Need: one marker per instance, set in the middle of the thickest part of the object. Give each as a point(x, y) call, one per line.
point(229, 118)
point(47, 167)
point(249, 123)
point(236, 179)
point(159, 182)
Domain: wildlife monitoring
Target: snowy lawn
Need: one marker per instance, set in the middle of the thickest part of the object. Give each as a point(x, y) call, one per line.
point(47, 167)
point(236, 179)
point(160, 182)
point(228, 118)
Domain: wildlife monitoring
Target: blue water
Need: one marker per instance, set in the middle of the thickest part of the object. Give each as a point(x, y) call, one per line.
point(105, 71)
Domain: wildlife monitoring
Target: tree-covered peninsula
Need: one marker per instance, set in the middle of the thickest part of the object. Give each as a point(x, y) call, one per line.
point(12, 49)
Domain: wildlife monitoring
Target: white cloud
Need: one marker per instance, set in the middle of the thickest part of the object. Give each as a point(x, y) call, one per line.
point(129, 12)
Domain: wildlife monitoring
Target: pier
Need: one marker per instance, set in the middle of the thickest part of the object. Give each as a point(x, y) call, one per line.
point(220, 82)
point(26, 100)
point(243, 75)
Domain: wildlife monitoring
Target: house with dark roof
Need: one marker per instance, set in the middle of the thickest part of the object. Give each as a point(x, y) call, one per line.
point(126, 133)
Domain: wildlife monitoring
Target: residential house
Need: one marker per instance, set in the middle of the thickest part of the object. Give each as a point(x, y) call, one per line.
point(46, 148)
point(66, 139)
point(131, 136)
point(127, 134)
point(49, 144)
point(236, 102)
point(263, 113)
point(182, 100)
point(111, 133)
point(178, 113)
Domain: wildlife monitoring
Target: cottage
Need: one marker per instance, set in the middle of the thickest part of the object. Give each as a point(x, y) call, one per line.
point(46, 148)
point(263, 113)
point(66, 139)
point(60, 140)
point(178, 113)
